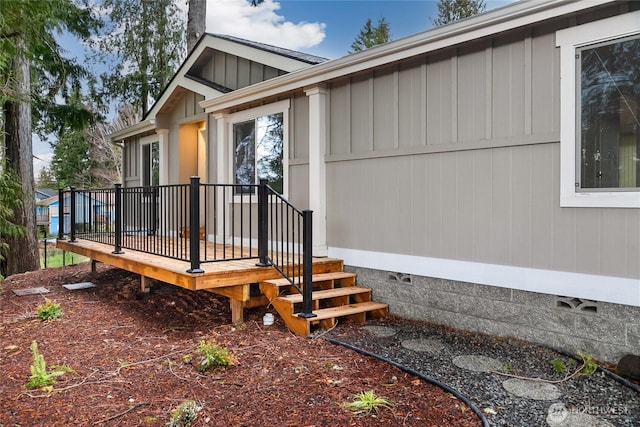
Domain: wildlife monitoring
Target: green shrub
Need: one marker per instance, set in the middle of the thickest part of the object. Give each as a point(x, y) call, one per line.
point(49, 310)
point(39, 375)
point(558, 366)
point(366, 402)
point(213, 355)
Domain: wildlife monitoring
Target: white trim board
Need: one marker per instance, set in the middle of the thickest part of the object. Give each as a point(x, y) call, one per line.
point(570, 39)
point(616, 290)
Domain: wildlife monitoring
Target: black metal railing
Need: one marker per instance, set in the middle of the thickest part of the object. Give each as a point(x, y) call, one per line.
point(177, 221)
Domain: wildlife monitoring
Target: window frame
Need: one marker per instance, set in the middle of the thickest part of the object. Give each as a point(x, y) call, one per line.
point(570, 40)
point(144, 143)
point(252, 114)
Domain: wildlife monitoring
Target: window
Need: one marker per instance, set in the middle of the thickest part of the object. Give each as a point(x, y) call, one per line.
point(150, 164)
point(600, 126)
point(258, 147)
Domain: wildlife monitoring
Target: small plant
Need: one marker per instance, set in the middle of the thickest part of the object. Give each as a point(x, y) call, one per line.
point(558, 366)
point(589, 365)
point(366, 402)
point(39, 375)
point(184, 414)
point(214, 355)
point(49, 310)
point(508, 367)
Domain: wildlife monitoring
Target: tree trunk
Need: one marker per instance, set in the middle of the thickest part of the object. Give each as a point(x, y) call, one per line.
point(196, 22)
point(23, 250)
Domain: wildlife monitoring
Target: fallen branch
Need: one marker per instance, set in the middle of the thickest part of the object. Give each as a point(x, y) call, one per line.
point(543, 380)
point(131, 408)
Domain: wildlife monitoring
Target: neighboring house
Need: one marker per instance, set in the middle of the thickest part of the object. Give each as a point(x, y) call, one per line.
point(482, 175)
point(42, 209)
point(89, 208)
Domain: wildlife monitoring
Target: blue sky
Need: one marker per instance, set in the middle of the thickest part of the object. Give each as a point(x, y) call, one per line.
point(321, 27)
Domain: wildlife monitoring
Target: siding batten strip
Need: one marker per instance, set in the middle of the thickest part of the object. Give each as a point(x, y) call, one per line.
point(488, 131)
point(528, 52)
point(454, 96)
point(371, 127)
point(423, 102)
point(396, 108)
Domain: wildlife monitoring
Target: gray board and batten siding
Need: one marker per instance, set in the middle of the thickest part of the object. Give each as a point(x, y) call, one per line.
point(456, 155)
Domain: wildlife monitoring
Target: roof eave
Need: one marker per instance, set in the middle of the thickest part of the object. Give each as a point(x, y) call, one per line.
point(484, 25)
point(138, 128)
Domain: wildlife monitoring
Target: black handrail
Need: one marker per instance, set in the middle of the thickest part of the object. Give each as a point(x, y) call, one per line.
point(159, 220)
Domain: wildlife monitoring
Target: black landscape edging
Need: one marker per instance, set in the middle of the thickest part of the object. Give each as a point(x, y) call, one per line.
point(448, 389)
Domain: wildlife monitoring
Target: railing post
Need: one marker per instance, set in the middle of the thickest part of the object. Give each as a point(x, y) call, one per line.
point(194, 225)
point(117, 249)
point(307, 286)
point(263, 224)
point(72, 216)
point(60, 214)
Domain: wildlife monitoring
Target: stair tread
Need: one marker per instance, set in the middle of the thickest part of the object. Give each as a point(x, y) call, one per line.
point(315, 278)
point(345, 310)
point(326, 293)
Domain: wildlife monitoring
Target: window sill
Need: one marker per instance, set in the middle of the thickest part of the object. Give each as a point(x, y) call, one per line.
point(601, 200)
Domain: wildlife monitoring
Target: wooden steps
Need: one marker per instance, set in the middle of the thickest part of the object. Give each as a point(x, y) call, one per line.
point(335, 296)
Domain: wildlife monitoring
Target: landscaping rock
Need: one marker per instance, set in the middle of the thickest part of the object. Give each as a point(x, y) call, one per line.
point(477, 363)
point(534, 390)
point(629, 366)
point(428, 345)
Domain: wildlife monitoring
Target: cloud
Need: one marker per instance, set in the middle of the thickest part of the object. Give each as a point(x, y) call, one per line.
point(41, 161)
point(262, 24)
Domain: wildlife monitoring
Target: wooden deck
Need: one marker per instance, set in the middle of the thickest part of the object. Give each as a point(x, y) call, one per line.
point(232, 279)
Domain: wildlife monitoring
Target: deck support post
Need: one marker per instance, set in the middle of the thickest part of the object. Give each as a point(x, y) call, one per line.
point(307, 266)
point(237, 308)
point(60, 214)
point(194, 225)
point(263, 224)
point(117, 250)
point(72, 232)
point(145, 284)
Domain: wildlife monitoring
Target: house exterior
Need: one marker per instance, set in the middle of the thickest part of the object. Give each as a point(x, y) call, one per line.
point(89, 208)
point(482, 175)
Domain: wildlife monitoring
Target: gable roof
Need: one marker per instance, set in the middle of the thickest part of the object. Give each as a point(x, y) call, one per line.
point(44, 193)
point(280, 58)
point(276, 57)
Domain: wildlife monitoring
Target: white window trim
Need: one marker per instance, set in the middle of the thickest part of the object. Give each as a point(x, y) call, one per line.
point(569, 40)
point(146, 140)
point(264, 110)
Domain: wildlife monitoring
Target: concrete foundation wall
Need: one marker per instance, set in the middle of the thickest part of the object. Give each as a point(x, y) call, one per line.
point(605, 331)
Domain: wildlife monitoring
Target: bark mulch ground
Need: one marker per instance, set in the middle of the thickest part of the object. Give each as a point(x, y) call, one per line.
point(132, 359)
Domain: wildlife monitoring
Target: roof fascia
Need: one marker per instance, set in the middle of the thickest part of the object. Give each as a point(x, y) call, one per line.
point(138, 128)
point(205, 42)
point(484, 25)
point(261, 56)
point(197, 87)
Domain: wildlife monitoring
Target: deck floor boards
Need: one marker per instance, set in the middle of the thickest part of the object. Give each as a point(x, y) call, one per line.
point(215, 274)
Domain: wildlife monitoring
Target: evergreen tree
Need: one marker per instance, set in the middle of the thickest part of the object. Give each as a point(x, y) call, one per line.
point(371, 35)
point(33, 76)
point(46, 179)
point(453, 10)
point(145, 39)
